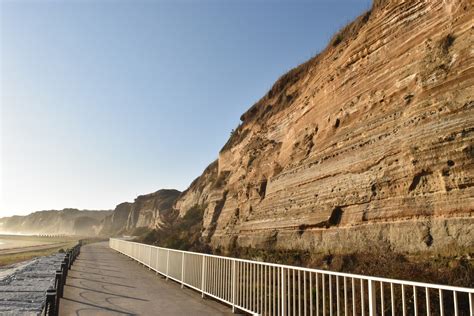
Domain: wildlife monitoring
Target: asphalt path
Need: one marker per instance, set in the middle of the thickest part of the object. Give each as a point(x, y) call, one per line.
point(104, 282)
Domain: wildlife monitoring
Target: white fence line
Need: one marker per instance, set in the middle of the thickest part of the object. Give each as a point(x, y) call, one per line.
point(263, 288)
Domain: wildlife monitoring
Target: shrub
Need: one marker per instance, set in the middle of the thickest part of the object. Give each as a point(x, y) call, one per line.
point(447, 42)
point(337, 39)
point(183, 234)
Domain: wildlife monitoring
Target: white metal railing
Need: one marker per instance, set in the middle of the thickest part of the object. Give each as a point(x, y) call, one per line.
point(262, 288)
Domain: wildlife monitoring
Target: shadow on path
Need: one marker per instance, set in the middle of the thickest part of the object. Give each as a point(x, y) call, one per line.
point(78, 311)
point(99, 281)
point(104, 282)
point(107, 293)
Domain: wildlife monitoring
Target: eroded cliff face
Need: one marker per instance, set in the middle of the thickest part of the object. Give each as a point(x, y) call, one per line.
point(369, 144)
point(116, 223)
point(153, 210)
point(149, 211)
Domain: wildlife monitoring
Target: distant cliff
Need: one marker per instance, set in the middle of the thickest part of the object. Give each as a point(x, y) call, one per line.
point(66, 221)
point(149, 211)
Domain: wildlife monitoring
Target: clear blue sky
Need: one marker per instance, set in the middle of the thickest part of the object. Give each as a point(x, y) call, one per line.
point(104, 100)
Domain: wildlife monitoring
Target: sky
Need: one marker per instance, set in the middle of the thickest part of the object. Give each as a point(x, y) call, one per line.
point(105, 100)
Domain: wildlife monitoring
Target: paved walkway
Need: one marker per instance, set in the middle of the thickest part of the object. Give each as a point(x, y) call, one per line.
point(104, 282)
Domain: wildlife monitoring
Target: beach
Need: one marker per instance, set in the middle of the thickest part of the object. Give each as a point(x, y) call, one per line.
point(20, 248)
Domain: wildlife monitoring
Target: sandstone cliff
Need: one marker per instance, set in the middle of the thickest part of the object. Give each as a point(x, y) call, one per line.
point(149, 211)
point(116, 222)
point(368, 144)
point(66, 221)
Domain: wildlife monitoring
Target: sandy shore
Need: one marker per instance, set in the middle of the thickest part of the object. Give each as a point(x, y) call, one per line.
point(17, 248)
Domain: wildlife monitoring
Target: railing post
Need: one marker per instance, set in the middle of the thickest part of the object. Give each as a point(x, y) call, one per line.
point(182, 270)
point(64, 276)
point(372, 299)
point(234, 284)
point(149, 261)
point(203, 281)
point(283, 292)
point(68, 260)
point(157, 261)
point(58, 282)
point(167, 263)
point(56, 303)
point(51, 309)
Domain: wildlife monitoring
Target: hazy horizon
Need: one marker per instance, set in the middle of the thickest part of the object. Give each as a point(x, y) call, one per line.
point(102, 102)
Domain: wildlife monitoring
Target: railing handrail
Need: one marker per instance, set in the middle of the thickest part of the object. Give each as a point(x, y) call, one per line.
point(341, 274)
